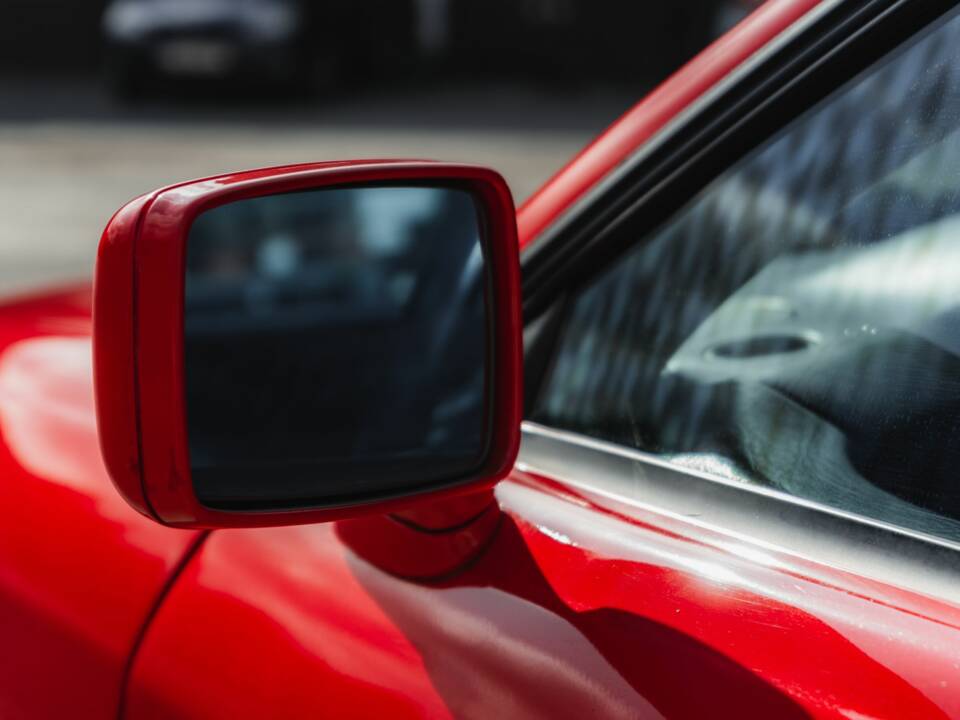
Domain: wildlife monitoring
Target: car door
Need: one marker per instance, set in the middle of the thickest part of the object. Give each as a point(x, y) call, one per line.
point(734, 495)
point(80, 571)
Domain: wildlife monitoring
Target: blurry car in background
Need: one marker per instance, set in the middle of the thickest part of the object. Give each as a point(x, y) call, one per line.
point(148, 39)
point(302, 46)
point(280, 44)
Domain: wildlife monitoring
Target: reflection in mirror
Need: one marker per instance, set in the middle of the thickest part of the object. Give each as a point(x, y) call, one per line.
point(335, 345)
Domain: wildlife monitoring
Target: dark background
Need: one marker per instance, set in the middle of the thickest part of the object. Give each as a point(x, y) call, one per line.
point(627, 39)
point(43, 37)
point(518, 85)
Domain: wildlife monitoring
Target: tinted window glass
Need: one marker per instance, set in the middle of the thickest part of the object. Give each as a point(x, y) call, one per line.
point(335, 344)
point(797, 325)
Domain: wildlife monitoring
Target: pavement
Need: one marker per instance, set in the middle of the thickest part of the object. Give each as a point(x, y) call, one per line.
point(70, 156)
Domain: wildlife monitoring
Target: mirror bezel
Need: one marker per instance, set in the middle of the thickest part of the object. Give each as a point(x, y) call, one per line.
point(139, 340)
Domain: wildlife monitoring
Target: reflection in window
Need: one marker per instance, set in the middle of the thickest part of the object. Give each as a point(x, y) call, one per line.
point(797, 325)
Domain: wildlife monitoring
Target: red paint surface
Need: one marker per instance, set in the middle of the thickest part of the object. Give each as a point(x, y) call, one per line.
point(79, 569)
point(572, 612)
point(113, 354)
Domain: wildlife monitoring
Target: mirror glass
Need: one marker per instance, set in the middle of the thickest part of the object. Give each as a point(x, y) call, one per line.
point(335, 345)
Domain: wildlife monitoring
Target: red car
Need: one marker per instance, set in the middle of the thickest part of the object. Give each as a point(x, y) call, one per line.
point(736, 490)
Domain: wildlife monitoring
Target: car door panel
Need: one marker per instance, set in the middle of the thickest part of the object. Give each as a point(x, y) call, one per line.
point(79, 569)
point(573, 610)
point(276, 623)
point(819, 635)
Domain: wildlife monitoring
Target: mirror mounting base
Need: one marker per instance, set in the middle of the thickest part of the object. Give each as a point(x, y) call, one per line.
point(428, 544)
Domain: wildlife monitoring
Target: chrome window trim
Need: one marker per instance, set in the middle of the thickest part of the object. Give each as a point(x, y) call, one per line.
point(608, 473)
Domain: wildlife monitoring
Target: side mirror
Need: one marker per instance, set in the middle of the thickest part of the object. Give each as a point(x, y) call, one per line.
point(310, 342)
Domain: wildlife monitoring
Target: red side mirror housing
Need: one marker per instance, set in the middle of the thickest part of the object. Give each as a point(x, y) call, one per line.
point(309, 343)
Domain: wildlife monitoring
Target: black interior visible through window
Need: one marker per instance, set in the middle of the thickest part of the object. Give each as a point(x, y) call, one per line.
point(797, 324)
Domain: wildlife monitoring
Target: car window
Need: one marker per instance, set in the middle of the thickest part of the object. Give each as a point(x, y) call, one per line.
point(797, 325)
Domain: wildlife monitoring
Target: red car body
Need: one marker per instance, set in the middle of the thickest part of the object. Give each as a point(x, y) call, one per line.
point(559, 600)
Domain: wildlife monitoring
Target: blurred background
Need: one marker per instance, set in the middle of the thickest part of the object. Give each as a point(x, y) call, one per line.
point(101, 100)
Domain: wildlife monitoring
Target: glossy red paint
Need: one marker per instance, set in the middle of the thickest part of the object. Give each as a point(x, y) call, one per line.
point(148, 458)
point(448, 513)
point(79, 569)
point(573, 611)
point(113, 359)
point(565, 607)
point(409, 551)
point(654, 112)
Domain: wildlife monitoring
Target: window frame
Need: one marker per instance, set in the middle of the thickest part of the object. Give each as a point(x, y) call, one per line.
point(821, 53)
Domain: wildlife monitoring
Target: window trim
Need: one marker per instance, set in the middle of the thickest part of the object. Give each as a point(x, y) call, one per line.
point(623, 479)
